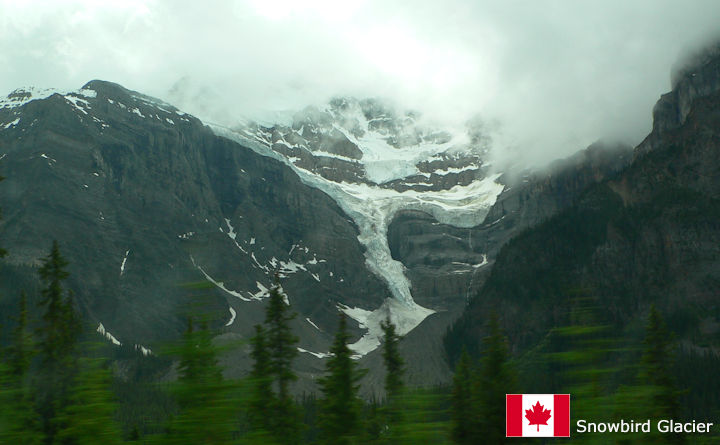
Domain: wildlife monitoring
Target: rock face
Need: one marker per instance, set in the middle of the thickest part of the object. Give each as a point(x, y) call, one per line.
point(429, 248)
point(356, 207)
point(647, 235)
point(448, 265)
point(144, 198)
point(697, 76)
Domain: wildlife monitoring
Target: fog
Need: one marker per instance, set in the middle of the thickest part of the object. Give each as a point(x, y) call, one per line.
point(552, 76)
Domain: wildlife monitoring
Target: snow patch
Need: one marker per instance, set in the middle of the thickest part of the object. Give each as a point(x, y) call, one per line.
point(456, 170)
point(102, 331)
point(483, 263)
point(313, 324)
point(404, 317)
point(76, 101)
point(122, 266)
point(232, 316)
point(22, 96)
point(290, 267)
point(11, 124)
point(218, 284)
point(143, 350)
point(231, 233)
point(316, 354)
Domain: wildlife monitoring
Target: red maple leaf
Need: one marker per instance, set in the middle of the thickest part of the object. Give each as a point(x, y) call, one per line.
point(538, 415)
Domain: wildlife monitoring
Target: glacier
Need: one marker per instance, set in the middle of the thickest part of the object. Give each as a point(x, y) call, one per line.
point(373, 208)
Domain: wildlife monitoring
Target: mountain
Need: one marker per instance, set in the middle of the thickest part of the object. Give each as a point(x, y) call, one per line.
point(144, 198)
point(356, 207)
point(647, 235)
point(431, 210)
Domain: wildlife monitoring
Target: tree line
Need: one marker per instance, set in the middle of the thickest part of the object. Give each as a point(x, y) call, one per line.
point(57, 389)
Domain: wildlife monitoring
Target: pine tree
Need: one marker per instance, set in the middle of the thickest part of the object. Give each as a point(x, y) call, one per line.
point(262, 399)
point(395, 405)
point(282, 350)
point(208, 413)
point(340, 407)
point(18, 420)
point(656, 365)
point(20, 351)
point(495, 378)
point(281, 342)
point(580, 361)
point(394, 364)
point(3, 252)
point(462, 414)
point(89, 417)
point(57, 337)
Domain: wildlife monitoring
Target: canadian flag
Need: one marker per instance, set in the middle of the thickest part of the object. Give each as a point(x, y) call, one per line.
point(537, 415)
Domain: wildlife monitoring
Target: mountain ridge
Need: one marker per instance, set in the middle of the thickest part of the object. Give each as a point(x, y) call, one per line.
point(646, 235)
point(144, 197)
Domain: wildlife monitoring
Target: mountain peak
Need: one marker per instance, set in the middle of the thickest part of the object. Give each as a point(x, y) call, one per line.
point(107, 88)
point(698, 76)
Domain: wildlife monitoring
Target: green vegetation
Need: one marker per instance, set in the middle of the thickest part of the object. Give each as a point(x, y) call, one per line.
point(58, 388)
point(339, 419)
point(86, 401)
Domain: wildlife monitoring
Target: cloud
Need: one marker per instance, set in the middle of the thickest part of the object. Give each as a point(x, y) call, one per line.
point(557, 75)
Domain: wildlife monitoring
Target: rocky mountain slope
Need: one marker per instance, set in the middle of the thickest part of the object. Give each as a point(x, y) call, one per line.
point(648, 235)
point(144, 198)
point(357, 208)
point(431, 210)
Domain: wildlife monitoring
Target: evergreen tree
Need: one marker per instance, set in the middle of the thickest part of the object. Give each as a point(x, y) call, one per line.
point(262, 399)
point(18, 423)
point(395, 406)
point(18, 419)
point(340, 407)
point(20, 351)
point(282, 350)
point(90, 416)
point(462, 414)
point(495, 378)
point(57, 338)
point(3, 252)
point(656, 365)
point(581, 360)
point(208, 414)
point(394, 364)
point(660, 393)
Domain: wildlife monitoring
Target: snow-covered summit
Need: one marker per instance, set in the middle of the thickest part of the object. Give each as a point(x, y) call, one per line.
point(21, 96)
point(369, 141)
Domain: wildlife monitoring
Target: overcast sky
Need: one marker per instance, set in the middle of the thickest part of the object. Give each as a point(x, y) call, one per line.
point(556, 75)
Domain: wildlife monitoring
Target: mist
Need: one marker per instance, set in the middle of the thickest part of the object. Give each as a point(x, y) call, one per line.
point(551, 76)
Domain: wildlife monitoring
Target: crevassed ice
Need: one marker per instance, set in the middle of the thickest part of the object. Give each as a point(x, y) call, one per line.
point(373, 208)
